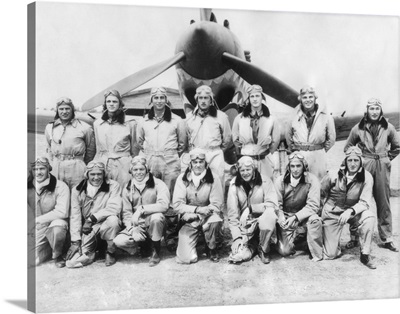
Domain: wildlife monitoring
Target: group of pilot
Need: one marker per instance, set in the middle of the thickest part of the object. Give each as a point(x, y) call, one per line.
point(120, 183)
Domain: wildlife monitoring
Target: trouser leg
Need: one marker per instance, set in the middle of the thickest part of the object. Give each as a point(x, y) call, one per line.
point(266, 224)
point(285, 246)
point(216, 162)
point(109, 230)
point(366, 225)
point(381, 193)
point(211, 234)
point(50, 240)
point(331, 235)
point(71, 172)
point(186, 252)
point(314, 236)
point(56, 237)
point(42, 250)
point(317, 162)
point(125, 242)
point(171, 230)
point(156, 225)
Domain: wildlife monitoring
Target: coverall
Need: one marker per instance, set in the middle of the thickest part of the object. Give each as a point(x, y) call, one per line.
point(115, 147)
point(105, 206)
point(377, 154)
point(339, 195)
point(260, 224)
point(69, 148)
point(303, 201)
point(263, 146)
point(50, 209)
point(213, 134)
point(155, 200)
point(185, 201)
point(313, 143)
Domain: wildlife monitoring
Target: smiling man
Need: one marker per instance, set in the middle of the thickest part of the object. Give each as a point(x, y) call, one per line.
point(299, 225)
point(312, 132)
point(145, 200)
point(70, 143)
point(95, 206)
point(380, 144)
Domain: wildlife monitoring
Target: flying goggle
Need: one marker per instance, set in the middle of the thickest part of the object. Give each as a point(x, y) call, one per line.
point(94, 164)
point(112, 92)
point(296, 155)
point(42, 161)
point(353, 150)
point(64, 100)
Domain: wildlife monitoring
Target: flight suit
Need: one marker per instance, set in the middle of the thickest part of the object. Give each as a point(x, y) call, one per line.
point(263, 146)
point(115, 147)
point(339, 195)
point(69, 149)
point(377, 154)
point(260, 224)
point(186, 199)
point(213, 134)
point(303, 201)
point(51, 210)
point(155, 199)
point(314, 143)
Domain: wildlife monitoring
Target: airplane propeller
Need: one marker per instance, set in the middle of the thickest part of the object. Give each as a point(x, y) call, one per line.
point(135, 80)
point(254, 75)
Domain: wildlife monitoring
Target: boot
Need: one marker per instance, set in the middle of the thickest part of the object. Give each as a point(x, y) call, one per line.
point(110, 259)
point(59, 262)
point(366, 260)
point(390, 246)
point(214, 255)
point(155, 256)
point(263, 256)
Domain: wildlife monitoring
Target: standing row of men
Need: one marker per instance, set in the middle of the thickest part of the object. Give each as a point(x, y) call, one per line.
point(162, 138)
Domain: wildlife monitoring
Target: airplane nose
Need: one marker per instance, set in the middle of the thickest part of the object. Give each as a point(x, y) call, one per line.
point(203, 44)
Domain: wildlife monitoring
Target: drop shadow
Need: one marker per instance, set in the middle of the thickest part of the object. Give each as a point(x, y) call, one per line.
point(19, 303)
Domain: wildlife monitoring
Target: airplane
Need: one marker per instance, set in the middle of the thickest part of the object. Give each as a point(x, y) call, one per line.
point(208, 53)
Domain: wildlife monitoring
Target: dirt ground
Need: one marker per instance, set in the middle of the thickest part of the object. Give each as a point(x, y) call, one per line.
point(131, 284)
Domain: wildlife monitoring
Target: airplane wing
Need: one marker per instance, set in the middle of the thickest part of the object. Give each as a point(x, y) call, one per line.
point(135, 80)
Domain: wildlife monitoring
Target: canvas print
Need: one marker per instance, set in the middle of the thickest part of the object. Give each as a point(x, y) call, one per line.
point(193, 157)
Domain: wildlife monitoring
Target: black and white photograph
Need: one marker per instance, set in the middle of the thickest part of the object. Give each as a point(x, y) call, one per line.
point(209, 155)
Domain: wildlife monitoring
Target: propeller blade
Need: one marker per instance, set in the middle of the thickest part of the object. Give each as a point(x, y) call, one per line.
point(254, 75)
point(134, 80)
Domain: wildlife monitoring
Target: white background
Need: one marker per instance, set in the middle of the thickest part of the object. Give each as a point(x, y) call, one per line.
point(13, 154)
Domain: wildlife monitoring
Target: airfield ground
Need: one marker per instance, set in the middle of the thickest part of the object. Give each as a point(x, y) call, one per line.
point(131, 284)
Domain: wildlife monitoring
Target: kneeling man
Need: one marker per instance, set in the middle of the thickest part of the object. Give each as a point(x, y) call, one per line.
point(252, 212)
point(145, 200)
point(347, 195)
point(48, 205)
point(299, 203)
point(95, 207)
point(198, 198)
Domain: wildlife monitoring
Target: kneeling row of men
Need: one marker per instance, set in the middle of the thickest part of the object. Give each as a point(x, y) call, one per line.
point(286, 212)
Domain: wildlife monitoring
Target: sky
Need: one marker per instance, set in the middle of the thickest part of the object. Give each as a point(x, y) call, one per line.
point(83, 48)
